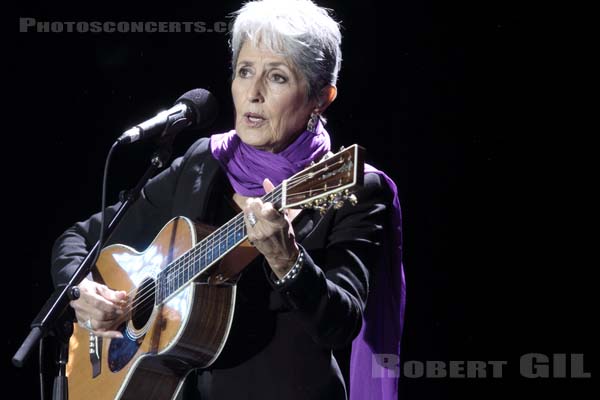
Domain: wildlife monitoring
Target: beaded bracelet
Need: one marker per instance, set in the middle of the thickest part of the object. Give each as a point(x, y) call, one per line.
point(292, 273)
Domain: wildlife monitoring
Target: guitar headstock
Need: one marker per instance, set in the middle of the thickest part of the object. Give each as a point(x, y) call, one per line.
point(328, 183)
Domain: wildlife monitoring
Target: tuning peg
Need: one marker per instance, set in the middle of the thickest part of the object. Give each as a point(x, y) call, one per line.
point(337, 204)
point(352, 199)
point(342, 149)
point(322, 210)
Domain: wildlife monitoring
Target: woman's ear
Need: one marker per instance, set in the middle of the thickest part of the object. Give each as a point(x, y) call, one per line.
point(326, 97)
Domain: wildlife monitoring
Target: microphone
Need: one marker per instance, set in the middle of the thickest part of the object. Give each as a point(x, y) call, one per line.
point(197, 108)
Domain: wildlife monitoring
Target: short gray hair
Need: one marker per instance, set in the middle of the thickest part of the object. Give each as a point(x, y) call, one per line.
point(297, 29)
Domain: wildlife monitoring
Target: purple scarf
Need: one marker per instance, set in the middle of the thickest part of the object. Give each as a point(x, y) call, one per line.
point(246, 166)
point(374, 361)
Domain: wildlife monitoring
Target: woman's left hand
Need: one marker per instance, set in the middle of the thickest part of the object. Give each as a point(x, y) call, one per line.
point(272, 233)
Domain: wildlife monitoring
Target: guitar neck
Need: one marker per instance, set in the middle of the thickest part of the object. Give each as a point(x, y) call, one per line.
point(207, 252)
point(319, 186)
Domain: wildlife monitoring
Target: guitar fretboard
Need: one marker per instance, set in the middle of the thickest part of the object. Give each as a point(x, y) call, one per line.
point(205, 253)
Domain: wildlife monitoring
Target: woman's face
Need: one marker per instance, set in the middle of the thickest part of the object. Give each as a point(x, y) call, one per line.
point(270, 99)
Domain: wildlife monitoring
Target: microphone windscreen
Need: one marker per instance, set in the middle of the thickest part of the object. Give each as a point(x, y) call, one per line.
point(203, 104)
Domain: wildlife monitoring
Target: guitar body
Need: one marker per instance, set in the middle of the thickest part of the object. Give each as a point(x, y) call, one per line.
point(161, 343)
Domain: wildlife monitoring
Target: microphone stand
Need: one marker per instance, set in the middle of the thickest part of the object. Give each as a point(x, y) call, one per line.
point(56, 316)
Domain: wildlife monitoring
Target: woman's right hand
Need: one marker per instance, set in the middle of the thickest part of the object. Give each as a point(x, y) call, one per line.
point(101, 306)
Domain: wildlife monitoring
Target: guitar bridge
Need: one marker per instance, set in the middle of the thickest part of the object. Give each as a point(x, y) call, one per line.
point(95, 354)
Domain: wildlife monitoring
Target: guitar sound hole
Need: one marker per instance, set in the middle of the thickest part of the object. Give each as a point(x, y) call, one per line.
point(143, 304)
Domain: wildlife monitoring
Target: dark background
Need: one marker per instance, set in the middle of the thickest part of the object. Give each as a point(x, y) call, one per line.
point(467, 106)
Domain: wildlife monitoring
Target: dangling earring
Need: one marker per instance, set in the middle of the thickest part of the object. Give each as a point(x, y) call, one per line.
point(312, 122)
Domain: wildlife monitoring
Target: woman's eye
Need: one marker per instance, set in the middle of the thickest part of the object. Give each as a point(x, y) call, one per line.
point(278, 78)
point(243, 72)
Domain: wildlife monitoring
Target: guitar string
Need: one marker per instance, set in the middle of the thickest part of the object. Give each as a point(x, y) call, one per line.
point(199, 252)
point(186, 260)
point(220, 237)
point(203, 251)
point(140, 303)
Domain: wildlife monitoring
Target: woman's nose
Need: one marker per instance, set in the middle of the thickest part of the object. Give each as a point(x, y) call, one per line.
point(255, 92)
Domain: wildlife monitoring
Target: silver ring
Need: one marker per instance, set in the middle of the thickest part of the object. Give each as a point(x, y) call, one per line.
point(88, 324)
point(251, 219)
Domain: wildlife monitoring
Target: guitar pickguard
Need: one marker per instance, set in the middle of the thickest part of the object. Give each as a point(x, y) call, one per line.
point(121, 351)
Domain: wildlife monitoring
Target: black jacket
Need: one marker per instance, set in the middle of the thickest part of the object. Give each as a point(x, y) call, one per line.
point(290, 342)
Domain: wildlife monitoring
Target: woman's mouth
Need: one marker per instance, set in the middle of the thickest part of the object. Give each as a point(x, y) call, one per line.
point(253, 120)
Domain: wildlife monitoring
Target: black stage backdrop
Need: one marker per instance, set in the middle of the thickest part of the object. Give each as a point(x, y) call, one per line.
point(461, 104)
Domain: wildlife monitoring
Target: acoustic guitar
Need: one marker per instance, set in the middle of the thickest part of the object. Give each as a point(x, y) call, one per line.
point(182, 290)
